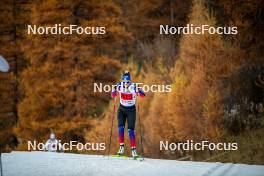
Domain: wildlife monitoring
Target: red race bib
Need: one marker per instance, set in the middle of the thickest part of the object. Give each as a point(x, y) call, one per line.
point(126, 96)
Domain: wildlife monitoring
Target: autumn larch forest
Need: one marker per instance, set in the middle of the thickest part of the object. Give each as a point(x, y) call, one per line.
point(217, 80)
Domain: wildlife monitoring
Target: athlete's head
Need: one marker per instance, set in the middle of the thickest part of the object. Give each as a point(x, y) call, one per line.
point(126, 78)
point(52, 136)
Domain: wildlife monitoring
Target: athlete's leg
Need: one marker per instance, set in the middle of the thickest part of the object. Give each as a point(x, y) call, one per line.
point(121, 126)
point(131, 118)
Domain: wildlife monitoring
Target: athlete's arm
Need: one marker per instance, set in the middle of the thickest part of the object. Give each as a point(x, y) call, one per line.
point(114, 92)
point(140, 92)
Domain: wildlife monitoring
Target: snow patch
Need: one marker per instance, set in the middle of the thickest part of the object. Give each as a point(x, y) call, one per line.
point(65, 164)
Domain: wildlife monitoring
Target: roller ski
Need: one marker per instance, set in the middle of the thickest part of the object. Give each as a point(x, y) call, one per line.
point(135, 156)
point(121, 152)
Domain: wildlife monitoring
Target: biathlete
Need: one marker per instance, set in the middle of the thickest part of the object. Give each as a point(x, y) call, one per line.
point(128, 91)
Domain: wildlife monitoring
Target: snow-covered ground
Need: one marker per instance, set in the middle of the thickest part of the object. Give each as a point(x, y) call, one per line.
point(62, 164)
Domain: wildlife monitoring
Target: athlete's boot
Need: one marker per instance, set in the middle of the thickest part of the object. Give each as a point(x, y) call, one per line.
point(121, 150)
point(134, 153)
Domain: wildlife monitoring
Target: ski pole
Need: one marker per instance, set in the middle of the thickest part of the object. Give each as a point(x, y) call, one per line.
point(140, 131)
point(112, 123)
